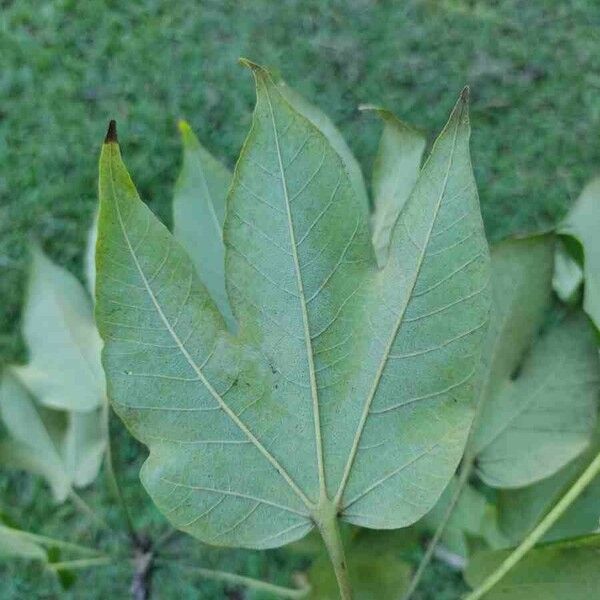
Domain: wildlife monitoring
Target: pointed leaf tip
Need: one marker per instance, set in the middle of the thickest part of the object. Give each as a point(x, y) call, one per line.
point(187, 135)
point(465, 94)
point(183, 126)
point(111, 134)
point(257, 70)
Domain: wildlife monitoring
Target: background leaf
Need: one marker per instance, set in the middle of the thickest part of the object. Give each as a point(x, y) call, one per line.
point(376, 568)
point(17, 544)
point(395, 173)
point(583, 223)
point(198, 215)
point(568, 275)
point(89, 258)
point(64, 448)
point(473, 517)
point(35, 433)
point(548, 572)
point(521, 509)
point(539, 404)
point(64, 369)
point(326, 126)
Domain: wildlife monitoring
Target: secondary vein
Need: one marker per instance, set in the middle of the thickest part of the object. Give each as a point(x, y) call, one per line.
point(302, 300)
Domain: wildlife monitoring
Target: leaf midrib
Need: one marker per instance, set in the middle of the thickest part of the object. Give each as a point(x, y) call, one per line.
point(303, 307)
point(272, 460)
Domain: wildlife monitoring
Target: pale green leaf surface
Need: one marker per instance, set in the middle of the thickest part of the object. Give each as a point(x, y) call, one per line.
point(325, 125)
point(375, 567)
point(89, 258)
point(473, 516)
point(16, 544)
point(83, 446)
point(560, 571)
point(545, 415)
point(66, 448)
point(395, 171)
point(199, 213)
point(35, 432)
point(583, 223)
point(567, 277)
point(345, 381)
point(520, 510)
point(539, 392)
point(64, 370)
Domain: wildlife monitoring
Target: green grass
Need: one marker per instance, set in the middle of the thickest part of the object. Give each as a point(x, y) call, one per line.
point(66, 67)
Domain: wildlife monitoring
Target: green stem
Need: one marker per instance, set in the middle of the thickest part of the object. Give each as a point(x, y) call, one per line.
point(85, 508)
point(48, 541)
point(112, 477)
point(330, 533)
point(462, 480)
point(529, 542)
point(466, 468)
point(248, 582)
point(164, 539)
point(82, 563)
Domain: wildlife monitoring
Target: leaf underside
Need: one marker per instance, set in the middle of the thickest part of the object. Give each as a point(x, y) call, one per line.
point(345, 382)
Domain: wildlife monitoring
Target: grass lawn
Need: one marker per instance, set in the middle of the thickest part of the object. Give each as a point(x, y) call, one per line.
point(66, 67)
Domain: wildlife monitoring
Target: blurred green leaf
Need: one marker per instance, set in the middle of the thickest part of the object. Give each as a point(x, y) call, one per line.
point(583, 223)
point(64, 370)
point(539, 390)
point(89, 257)
point(559, 571)
point(395, 173)
point(66, 448)
point(521, 509)
point(568, 275)
point(18, 544)
point(198, 215)
point(474, 516)
point(376, 567)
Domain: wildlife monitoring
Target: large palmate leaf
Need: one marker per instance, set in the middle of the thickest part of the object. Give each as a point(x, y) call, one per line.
point(347, 391)
point(395, 173)
point(64, 370)
point(583, 224)
point(556, 571)
point(198, 215)
point(539, 392)
point(65, 448)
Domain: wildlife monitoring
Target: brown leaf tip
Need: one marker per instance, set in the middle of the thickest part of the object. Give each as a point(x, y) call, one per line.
point(111, 134)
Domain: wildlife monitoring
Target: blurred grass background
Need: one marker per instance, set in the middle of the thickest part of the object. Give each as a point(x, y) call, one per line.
point(66, 67)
